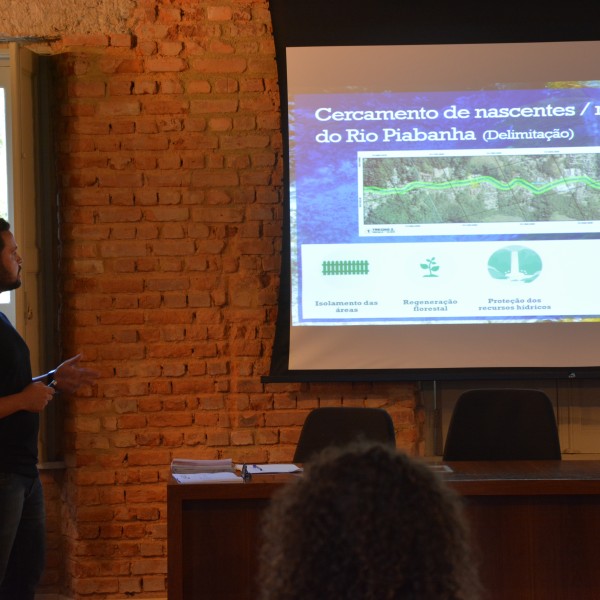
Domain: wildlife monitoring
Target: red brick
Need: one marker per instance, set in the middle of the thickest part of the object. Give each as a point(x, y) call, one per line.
point(199, 86)
point(214, 106)
point(87, 89)
point(120, 88)
point(233, 64)
point(219, 13)
point(85, 40)
point(165, 64)
point(121, 40)
point(119, 107)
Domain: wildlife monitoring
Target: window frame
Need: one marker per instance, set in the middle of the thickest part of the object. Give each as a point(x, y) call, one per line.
point(9, 308)
point(33, 214)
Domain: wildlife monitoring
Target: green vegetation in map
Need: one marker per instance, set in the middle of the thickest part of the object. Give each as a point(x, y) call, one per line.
point(481, 189)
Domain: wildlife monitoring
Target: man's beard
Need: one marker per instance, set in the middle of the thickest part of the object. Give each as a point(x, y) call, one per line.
point(7, 284)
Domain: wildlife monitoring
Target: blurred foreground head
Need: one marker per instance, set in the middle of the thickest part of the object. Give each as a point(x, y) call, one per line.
point(366, 522)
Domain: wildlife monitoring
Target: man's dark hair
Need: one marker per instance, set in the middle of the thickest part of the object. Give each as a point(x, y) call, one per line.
point(4, 226)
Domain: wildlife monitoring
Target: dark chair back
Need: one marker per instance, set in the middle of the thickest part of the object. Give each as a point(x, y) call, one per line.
point(338, 426)
point(502, 424)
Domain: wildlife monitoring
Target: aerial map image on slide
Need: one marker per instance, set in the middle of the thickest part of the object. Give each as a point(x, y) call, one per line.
point(481, 188)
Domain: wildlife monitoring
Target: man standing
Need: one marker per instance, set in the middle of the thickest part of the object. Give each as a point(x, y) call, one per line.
point(22, 399)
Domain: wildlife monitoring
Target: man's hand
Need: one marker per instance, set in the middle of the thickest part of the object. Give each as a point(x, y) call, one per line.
point(69, 376)
point(35, 397)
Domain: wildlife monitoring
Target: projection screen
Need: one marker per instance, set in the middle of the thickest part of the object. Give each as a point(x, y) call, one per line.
point(443, 208)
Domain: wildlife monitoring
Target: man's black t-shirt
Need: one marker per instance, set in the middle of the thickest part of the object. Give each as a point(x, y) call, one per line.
point(18, 431)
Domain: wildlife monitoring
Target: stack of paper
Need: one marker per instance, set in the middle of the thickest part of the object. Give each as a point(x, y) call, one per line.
point(226, 477)
point(188, 470)
point(188, 465)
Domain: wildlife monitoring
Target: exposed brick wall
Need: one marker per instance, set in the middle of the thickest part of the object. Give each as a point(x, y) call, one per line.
point(170, 173)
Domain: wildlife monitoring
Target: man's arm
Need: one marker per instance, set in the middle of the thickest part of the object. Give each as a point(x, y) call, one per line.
point(67, 377)
point(33, 398)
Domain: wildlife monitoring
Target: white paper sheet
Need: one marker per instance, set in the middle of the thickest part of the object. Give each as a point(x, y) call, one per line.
point(270, 468)
point(227, 477)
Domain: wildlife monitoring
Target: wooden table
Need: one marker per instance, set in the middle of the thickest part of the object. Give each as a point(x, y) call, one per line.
point(536, 524)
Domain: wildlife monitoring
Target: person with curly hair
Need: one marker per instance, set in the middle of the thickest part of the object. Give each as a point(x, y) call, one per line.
point(366, 522)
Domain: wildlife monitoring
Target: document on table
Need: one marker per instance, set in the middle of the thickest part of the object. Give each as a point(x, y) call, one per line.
point(270, 468)
point(187, 465)
point(226, 477)
point(440, 468)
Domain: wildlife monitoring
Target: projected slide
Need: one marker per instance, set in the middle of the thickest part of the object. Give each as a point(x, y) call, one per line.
point(418, 200)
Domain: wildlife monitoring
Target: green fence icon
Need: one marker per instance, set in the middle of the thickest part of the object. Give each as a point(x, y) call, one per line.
point(345, 267)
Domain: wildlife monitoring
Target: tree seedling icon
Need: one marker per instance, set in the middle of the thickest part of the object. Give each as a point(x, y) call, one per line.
point(430, 266)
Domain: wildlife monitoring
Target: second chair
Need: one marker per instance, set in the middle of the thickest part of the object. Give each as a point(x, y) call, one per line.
point(338, 426)
point(502, 424)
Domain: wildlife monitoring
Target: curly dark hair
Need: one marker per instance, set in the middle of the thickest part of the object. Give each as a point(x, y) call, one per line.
point(367, 522)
